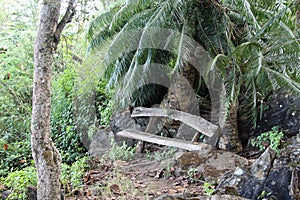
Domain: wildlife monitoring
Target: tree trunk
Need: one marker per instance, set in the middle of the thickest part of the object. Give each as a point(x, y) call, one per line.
point(298, 13)
point(180, 97)
point(46, 156)
point(230, 140)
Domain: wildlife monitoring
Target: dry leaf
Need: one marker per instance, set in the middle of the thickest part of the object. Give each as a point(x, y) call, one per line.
point(115, 189)
point(180, 188)
point(171, 191)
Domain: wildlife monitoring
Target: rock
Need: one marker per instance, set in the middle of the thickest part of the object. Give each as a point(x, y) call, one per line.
point(295, 184)
point(268, 177)
point(233, 182)
point(122, 120)
point(278, 109)
point(188, 160)
point(212, 165)
point(262, 165)
point(283, 110)
point(238, 171)
point(249, 183)
point(101, 142)
point(4, 195)
point(216, 163)
point(189, 197)
point(280, 177)
point(31, 193)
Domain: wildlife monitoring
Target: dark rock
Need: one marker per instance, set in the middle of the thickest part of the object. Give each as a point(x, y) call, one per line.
point(244, 183)
point(295, 184)
point(283, 110)
point(262, 165)
point(185, 196)
point(275, 178)
point(122, 120)
point(280, 177)
point(31, 193)
point(280, 109)
point(4, 195)
point(278, 183)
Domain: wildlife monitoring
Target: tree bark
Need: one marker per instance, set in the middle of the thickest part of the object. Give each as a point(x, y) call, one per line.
point(180, 96)
point(229, 139)
point(298, 13)
point(46, 156)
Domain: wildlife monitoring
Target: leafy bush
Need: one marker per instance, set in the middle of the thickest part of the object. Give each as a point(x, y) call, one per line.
point(63, 125)
point(73, 174)
point(14, 156)
point(123, 152)
point(103, 103)
point(16, 69)
point(18, 182)
point(271, 138)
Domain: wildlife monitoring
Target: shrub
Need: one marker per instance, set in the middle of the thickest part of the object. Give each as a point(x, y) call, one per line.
point(123, 152)
point(73, 174)
point(271, 138)
point(19, 180)
point(14, 156)
point(63, 125)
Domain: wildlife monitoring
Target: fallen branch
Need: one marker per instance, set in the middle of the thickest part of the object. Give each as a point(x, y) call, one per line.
point(196, 122)
point(172, 142)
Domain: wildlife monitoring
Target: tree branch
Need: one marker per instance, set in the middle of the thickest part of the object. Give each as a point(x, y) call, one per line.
point(67, 18)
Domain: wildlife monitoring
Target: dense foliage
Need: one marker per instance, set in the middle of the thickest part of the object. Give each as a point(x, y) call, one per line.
point(18, 28)
point(254, 46)
point(16, 68)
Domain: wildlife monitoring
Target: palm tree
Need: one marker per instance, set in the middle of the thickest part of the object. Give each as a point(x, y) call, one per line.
point(245, 40)
point(268, 57)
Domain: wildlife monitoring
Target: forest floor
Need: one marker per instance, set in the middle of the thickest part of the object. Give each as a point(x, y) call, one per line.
point(145, 176)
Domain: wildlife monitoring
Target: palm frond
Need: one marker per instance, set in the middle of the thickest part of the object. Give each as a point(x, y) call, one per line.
point(244, 7)
point(282, 80)
point(101, 22)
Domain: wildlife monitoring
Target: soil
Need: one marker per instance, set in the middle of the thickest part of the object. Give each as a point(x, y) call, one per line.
point(144, 177)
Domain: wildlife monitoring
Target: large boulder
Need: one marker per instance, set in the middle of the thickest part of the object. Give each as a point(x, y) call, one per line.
point(268, 177)
point(283, 110)
point(212, 165)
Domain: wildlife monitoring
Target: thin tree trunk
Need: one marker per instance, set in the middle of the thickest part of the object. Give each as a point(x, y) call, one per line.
point(46, 156)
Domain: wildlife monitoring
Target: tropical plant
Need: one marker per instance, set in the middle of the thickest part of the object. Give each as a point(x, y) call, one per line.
point(16, 69)
point(271, 138)
point(72, 175)
point(18, 181)
point(255, 48)
point(123, 152)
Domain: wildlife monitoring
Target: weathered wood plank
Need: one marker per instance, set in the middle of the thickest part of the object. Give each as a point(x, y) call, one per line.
point(172, 142)
point(198, 123)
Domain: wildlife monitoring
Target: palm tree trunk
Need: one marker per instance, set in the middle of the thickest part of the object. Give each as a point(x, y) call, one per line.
point(180, 96)
point(229, 139)
point(298, 13)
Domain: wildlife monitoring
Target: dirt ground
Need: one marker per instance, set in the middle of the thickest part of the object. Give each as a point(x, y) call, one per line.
point(143, 177)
